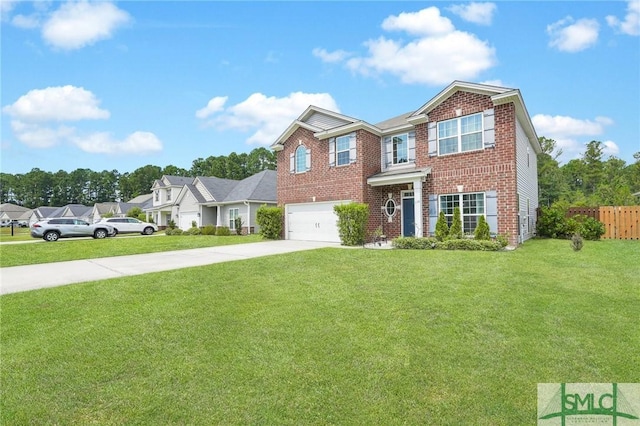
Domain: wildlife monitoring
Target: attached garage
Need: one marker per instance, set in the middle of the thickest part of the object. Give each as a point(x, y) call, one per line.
point(312, 221)
point(186, 218)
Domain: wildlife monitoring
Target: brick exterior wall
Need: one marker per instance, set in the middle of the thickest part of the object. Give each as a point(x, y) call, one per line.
point(478, 171)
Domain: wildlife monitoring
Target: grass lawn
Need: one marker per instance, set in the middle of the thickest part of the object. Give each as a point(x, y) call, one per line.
point(329, 336)
point(88, 248)
point(19, 234)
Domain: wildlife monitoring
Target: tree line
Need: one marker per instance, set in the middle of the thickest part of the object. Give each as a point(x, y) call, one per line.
point(84, 186)
point(590, 180)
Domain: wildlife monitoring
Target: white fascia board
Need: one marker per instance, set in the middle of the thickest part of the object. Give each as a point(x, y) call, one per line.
point(278, 144)
point(397, 179)
point(313, 109)
point(348, 128)
point(456, 86)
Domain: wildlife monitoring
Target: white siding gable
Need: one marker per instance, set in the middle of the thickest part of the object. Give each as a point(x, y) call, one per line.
point(527, 175)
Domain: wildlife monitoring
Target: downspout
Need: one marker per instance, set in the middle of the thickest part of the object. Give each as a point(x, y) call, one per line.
point(248, 204)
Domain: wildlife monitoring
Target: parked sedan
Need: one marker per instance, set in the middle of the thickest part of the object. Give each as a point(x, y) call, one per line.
point(53, 229)
point(127, 225)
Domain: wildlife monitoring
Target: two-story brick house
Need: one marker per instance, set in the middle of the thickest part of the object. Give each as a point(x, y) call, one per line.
point(472, 146)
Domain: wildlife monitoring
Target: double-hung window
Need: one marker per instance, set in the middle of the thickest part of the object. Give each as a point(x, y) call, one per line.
point(471, 206)
point(399, 149)
point(342, 150)
point(169, 194)
point(460, 134)
point(233, 214)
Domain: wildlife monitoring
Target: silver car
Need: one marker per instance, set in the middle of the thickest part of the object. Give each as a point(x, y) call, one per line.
point(53, 229)
point(125, 225)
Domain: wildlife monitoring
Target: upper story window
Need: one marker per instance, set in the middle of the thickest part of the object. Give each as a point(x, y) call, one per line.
point(168, 194)
point(157, 194)
point(342, 150)
point(300, 160)
point(399, 149)
point(460, 134)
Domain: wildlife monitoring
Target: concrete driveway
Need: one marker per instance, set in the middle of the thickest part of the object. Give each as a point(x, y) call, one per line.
point(31, 277)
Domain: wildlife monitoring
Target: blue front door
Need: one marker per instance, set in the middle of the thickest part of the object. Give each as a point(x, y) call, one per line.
point(408, 218)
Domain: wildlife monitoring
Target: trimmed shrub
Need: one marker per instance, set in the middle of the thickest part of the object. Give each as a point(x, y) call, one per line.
point(194, 224)
point(209, 230)
point(171, 224)
point(576, 242)
point(414, 243)
point(553, 223)
point(466, 244)
point(352, 223)
point(503, 240)
point(482, 230)
point(455, 232)
point(442, 228)
point(270, 221)
point(174, 231)
point(223, 231)
point(135, 212)
point(193, 231)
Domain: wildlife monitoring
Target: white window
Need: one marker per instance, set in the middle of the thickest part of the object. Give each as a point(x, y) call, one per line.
point(460, 134)
point(471, 206)
point(169, 194)
point(342, 150)
point(157, 192)
point(233, 214)
point(399, 149)
point(300, 160)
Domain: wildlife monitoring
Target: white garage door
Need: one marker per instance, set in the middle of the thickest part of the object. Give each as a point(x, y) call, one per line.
point(186, 219)
point(313, 222)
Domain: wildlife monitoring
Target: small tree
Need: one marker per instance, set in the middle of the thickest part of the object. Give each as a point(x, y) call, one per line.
point(270, 221)
point(352, 223)
point(482, 231)
point(135, 212)
point(455, 232)
point(237, 222)
point(107, 215)
point(442, 228)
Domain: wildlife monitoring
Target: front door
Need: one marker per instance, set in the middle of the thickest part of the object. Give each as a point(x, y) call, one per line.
point(408, 215)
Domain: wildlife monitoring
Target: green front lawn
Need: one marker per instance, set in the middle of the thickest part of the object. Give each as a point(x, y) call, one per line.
point(329, 336)
point(88, 248)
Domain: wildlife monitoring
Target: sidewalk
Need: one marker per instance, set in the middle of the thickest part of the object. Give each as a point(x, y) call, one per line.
point(30, 277)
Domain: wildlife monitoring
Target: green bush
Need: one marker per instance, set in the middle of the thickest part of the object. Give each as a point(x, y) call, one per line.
point(414, 243)
point(143, 217)
point(135, 212)
point(553, 223)
point(171, 224)
point(455, 232)
point(352, 223)
point(442, 228)
point(237, 222)
point(174, 231)
point(482, 232)
point(223, 231)
point(466, 244)
point(592, 229)
point(503, 240)
point(194, 230)
point(209, 230)
point(270, 221)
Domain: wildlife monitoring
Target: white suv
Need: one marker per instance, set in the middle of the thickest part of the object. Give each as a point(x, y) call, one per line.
point(124, 225)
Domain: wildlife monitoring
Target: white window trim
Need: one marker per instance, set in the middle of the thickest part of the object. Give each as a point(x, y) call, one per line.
point(347, 150)
point(410, 140)
point(232, 217)
point(460, 206)
point(459, 134)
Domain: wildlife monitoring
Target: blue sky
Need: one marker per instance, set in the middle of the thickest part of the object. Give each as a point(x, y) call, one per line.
point(119, 85)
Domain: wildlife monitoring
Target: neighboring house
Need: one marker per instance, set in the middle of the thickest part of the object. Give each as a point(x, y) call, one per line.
point(10, 212)
point(472, 146)
point(79, 211)
point(42, 213)
point(212, 200)
point(118, 208)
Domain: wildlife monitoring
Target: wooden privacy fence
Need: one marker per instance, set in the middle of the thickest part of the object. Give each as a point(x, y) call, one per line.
point(620, 223)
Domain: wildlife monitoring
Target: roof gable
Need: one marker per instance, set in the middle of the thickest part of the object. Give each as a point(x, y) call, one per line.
point(259, 187)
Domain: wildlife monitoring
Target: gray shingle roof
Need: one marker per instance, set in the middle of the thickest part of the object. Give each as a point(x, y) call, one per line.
point(218, 187)
point(259, 187)
point(179, 180)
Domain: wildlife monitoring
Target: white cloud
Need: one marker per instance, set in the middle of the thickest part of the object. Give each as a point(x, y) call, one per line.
point(478, 13)
point(268, 117)
point(26, 22)
point(631, 23)
point(568, 35)
point(459, 55)
point(214, 105)
point(570, 133)
point(425, 22)
point(103, 143)
point(38, 136)
point(61, 103)
point(330, 57)
point(78, 24)
point(611, 148)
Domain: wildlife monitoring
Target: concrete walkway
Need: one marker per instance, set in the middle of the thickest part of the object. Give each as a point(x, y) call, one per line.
point(30, 277)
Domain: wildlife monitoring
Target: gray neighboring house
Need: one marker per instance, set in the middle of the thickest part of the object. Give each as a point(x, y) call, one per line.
point(212, 200)
point(119, 208)
point(10, 212)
